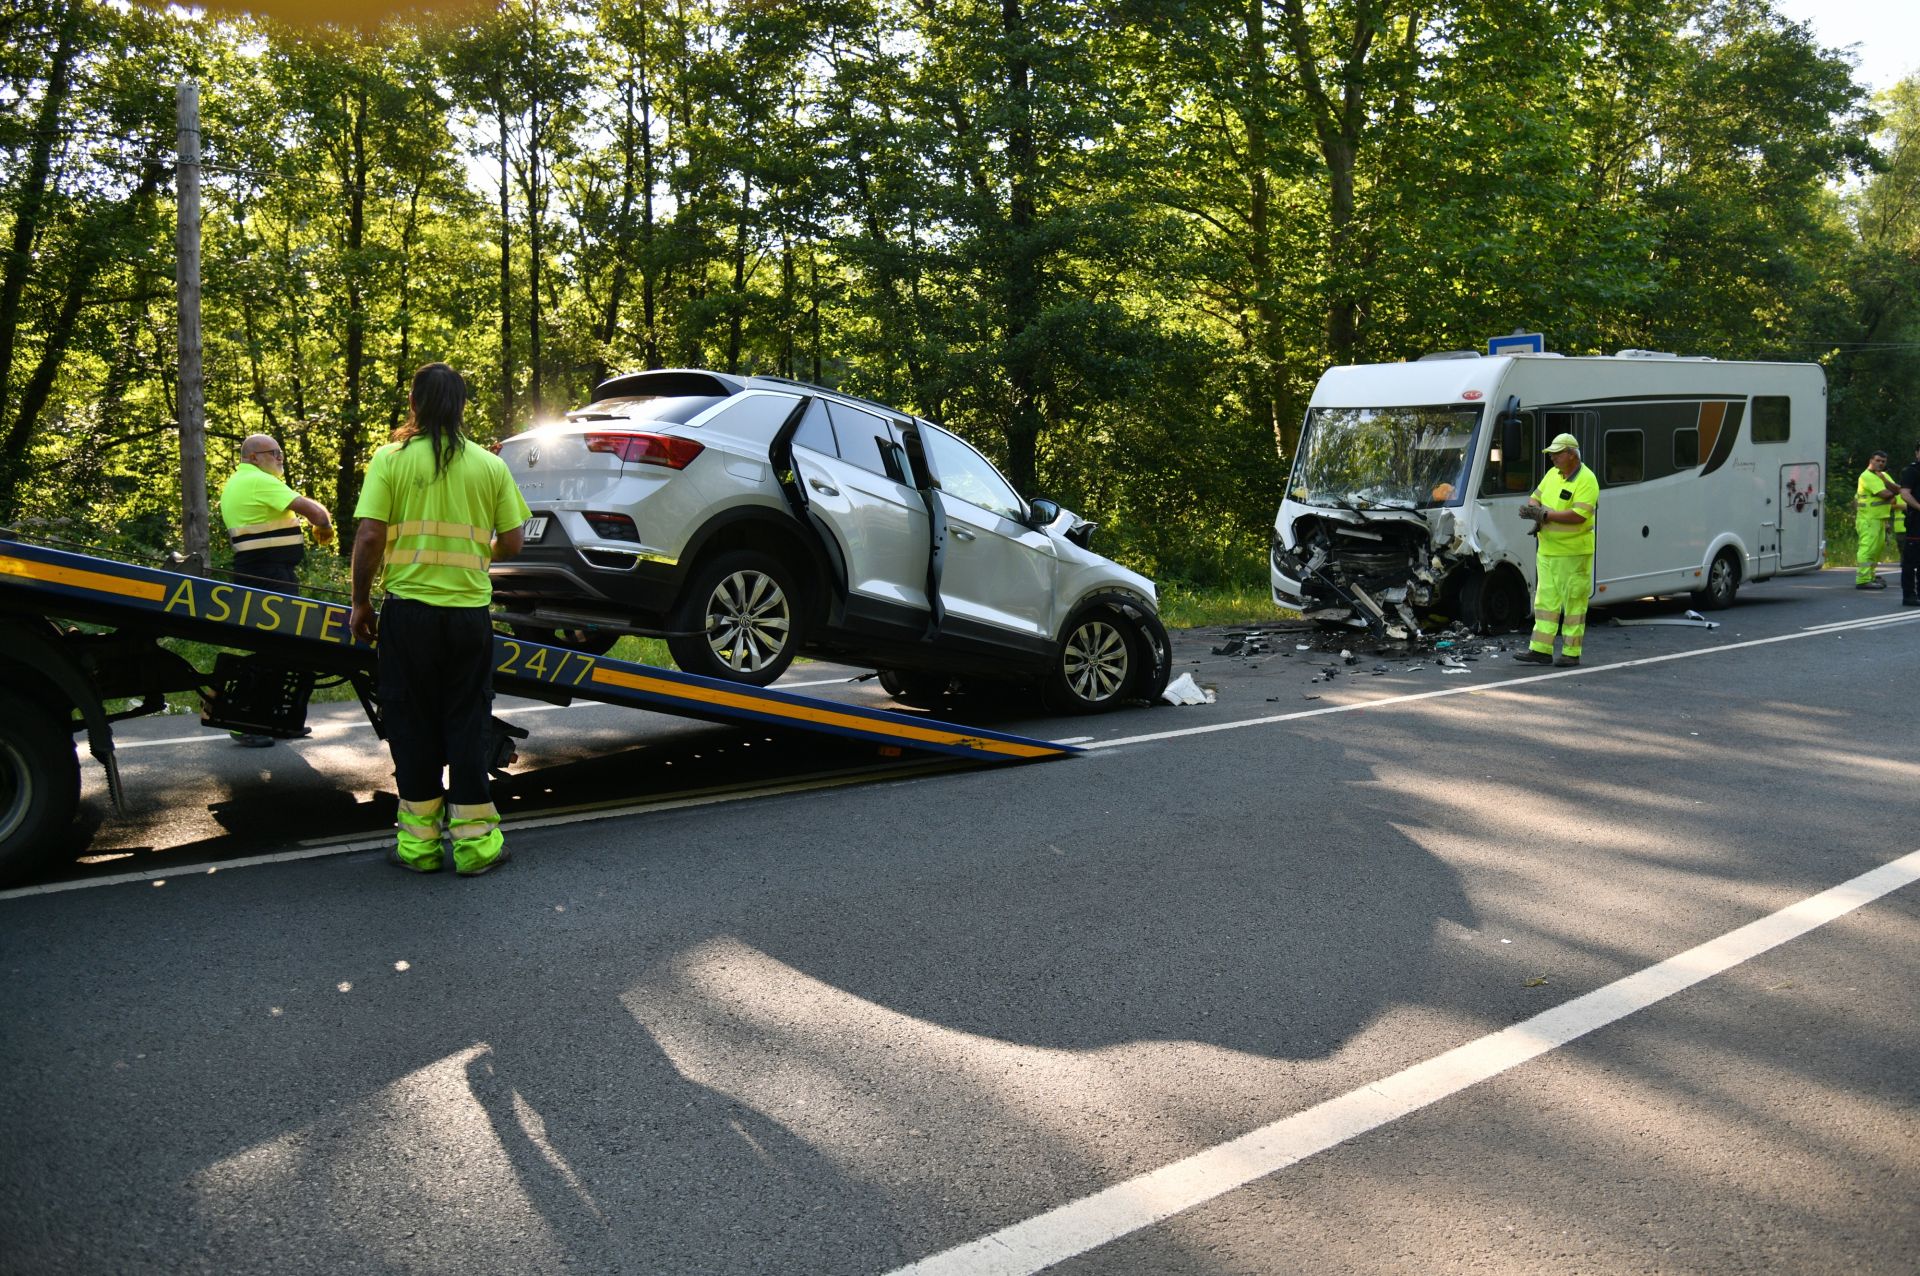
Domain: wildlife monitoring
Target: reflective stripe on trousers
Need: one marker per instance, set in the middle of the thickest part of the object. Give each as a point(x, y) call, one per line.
point(1560, 602)
point(476, 835)
point(417, 829)
point(1872, 530)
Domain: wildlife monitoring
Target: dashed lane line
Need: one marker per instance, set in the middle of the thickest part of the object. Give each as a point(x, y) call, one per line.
point(1126, 1207)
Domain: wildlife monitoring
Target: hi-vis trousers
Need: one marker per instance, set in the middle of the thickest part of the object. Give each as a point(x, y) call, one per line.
point(1560, 602)
point(436, 699)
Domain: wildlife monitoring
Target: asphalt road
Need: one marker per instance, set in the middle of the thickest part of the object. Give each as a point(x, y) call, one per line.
point(1400, 927)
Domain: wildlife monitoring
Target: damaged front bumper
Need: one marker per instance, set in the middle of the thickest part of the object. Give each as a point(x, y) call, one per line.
point(1376, 572)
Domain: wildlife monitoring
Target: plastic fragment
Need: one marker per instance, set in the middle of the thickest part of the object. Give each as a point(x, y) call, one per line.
point(1184, 690)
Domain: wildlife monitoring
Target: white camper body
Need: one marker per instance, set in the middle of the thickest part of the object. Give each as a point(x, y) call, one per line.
point(1409, 477)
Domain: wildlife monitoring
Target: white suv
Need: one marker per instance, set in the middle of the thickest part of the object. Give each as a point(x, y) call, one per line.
point(750, 518)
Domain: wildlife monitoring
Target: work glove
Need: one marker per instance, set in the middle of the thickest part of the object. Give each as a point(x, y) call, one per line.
point(1533, 513)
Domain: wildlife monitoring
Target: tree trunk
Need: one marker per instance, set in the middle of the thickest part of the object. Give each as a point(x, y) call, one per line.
point(1022, 284)
point(346, 487)
point(532, 193)
point(26, 227)
point(737, 305)
point(98, 240)
point(506, 266)
point(609, 326)
point(1267, 379)
point(403, 364)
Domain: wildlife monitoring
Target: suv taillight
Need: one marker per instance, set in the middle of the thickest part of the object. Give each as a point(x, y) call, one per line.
point(648, 449)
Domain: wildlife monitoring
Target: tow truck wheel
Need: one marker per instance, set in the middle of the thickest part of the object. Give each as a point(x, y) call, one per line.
point(594, 642)
point(743, 607)
point(39, 785)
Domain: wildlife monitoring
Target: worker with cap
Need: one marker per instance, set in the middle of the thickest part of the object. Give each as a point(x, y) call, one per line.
point(436, 509)
point(262, 516)
point(1876, 500)
point(1562, 508)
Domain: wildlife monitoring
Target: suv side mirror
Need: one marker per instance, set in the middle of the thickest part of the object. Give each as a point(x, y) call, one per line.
point(1041, 512)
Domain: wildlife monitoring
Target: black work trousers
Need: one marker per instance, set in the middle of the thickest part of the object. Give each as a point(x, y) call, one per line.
point(436, 698)
point(1909, 563)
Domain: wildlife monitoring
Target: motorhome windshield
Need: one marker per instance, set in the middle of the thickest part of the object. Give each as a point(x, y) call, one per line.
point(1385, 458)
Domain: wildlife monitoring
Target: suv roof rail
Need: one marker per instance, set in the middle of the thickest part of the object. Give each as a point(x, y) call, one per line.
point(876, 405)
point(669, 383)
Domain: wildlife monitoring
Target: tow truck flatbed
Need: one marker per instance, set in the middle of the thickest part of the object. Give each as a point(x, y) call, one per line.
point(68, 677)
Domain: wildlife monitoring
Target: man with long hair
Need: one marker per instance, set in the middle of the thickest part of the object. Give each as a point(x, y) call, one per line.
point(435, 510)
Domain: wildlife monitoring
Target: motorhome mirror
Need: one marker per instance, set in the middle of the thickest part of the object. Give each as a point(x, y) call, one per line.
point(1513, 434)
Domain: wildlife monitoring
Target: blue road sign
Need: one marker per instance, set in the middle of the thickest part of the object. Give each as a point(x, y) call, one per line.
point(1517, 343)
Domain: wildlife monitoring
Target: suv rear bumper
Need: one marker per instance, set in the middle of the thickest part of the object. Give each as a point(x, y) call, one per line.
point(555, 570)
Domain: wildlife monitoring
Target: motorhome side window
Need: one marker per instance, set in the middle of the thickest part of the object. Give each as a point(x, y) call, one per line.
point(1626, 457)
point(1686, 449)
point(1640, 442)
point(1772, 418)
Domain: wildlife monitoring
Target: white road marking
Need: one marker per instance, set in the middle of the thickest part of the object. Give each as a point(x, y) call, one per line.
point(1090, 745)
point(1861, 622)
point(570, 815)
point(1475, 688)
point(1126, 1207)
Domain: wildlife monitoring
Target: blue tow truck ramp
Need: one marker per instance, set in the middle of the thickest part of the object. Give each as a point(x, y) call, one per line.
point(58, 680)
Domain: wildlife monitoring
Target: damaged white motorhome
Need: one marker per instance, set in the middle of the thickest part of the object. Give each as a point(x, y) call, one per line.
point(1406, 487)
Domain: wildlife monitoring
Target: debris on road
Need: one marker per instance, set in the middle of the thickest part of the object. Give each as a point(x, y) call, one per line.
point(1692, 620)
point(1184, 690)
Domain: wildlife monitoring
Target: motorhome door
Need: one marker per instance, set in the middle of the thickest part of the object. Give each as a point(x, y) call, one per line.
point(1799, 515)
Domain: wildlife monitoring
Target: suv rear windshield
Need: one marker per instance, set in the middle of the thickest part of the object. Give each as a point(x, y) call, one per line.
point(654, 407)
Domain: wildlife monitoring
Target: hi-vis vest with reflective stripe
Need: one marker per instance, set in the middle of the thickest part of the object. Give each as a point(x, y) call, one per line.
point(255, 506)
point(1558, 492)
point(439, 544)
point(440, 519)
point(276, 533)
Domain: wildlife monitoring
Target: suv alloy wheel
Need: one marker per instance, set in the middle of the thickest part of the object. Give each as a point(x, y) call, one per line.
point(743, 607)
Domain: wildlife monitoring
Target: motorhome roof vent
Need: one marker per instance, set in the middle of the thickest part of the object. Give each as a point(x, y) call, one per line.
point(1448, 354)
point(1645, 354)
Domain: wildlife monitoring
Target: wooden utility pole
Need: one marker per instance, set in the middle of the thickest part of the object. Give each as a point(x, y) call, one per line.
point(193, 394)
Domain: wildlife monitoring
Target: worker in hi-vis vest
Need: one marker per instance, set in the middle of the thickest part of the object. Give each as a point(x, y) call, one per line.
point(262, 515)
point(260, 512)
point(435, 510)
point(1876, 503)
point(1563, 508)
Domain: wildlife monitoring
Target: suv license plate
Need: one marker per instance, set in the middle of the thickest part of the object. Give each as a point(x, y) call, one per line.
point(536, 527)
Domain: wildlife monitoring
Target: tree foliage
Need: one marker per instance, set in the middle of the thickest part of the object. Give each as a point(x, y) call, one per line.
point(1113, 244)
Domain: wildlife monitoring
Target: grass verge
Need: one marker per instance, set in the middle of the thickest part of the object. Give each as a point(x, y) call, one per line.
point(1194, 606)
